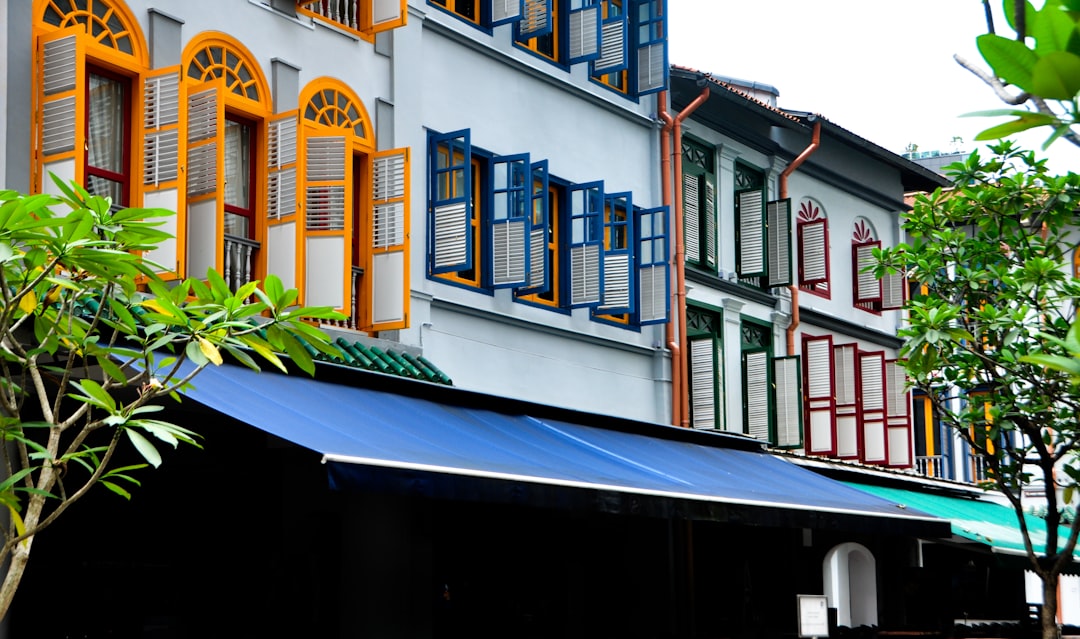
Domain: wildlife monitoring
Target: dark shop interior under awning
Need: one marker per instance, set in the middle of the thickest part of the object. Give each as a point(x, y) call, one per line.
point(378, 433)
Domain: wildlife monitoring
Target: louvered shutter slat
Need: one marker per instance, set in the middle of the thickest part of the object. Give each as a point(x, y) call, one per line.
point(820, 405)
point(511, 225)
point(450, 173)
point(281, 158)
point(586, 243)
point(867, 286)
point(751, 245)
point(324, 188)
point(813, 254)
point(756, 376)
point(651, 42)
point(872, 385)
point(162, 109)
point(203, 129)
point(845, 388)
point(612, 57)
point(788, 402)
point(584, 40)
point(778, 218)
point(710, 222)
point(538, 236)
point(703, 383)
point(61, 62)
point(653, 267)
point(898, 416)
point(387, 288)
point(503, 11)
point(893, 288)
point(585, 275)
point(536, 20)
point(692, 217)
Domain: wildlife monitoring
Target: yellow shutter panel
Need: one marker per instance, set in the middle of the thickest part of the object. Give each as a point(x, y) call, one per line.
point(327, 181)
point(385, 302)
point(61, 143)
point(205, 178)
point(382, 15)
point(164, 108)
point(281, 202)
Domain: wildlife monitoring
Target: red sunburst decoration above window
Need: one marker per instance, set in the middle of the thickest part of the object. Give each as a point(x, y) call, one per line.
point(808, 211)
point(863, 233)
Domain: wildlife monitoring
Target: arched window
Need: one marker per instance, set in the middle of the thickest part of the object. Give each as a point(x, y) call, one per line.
point(870, 293)
point(353, 212)
point(90, 56)
point(850, 577)
point(813, 236)
point(228, 110)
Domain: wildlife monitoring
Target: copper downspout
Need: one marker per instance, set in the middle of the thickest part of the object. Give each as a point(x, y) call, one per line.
point(671, 147)
point(815, 142)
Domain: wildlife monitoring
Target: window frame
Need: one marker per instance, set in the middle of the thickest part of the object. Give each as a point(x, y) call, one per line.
point(532, 43)
point(812, 214)
point(125, 177)
point(705, 326)
point(250, 213)
point(699, 235)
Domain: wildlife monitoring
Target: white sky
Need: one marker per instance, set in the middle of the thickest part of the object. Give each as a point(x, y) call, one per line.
point(882, 70)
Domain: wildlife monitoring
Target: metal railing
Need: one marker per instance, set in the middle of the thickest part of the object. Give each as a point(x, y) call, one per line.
point(930, 465)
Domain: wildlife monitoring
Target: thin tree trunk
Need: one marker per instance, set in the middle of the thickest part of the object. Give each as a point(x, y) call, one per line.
point(16, 567)
point(1050, 629)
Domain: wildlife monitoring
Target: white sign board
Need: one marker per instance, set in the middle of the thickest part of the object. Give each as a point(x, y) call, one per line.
point(813, 615)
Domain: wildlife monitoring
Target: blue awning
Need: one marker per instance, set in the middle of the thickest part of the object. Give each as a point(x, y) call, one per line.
point(362, 430)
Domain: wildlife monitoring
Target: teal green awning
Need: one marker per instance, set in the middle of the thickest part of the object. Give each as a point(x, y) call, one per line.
point(985, 522)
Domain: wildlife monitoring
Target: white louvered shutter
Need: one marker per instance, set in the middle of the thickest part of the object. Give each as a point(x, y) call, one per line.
point(757, 390)
point(324, 183)
point(618, 294)
point(651, 42)
point(872, 413)
point(709, 241)
point(450, 229)
point(778, 216)
point(584, 40)
point(788, 401)
point(750, 257)
point(389, 297)
point(205, 179)
point(511, 221)
point(898, 416)
point(538, 236)
point(846, 391)
point(813, 252)
point(383, 15)
point(63, 106)
point(586, 242)
point(867, 287)
point(820, 402)
point(503, 11)
point(893, 288)
point(654, 271)
point(162, 110)
point(704, 383)
point(536, 21)
point(692, 217)
point(281, 155)
point(612, 56)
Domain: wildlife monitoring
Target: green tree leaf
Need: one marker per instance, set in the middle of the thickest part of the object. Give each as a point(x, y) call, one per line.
point(1011, 61)
point(1056, 76)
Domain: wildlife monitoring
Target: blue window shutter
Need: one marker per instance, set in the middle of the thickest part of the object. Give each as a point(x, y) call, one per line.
point(612, 46)
point(586, 203)
point(504, 11)
point(539, 259)
point(536, 20)
point(778, 216)
point(584, 34)
point(653, 269)
point(450, 203)
point(618, 295)
point(652, 51)
point(510, 222)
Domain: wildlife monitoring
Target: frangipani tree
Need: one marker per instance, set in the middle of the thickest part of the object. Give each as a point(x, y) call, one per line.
point(92, 342)
point(992, 259)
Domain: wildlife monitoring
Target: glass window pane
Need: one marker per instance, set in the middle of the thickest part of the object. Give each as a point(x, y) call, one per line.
point(105, 140)
point(237, 164)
